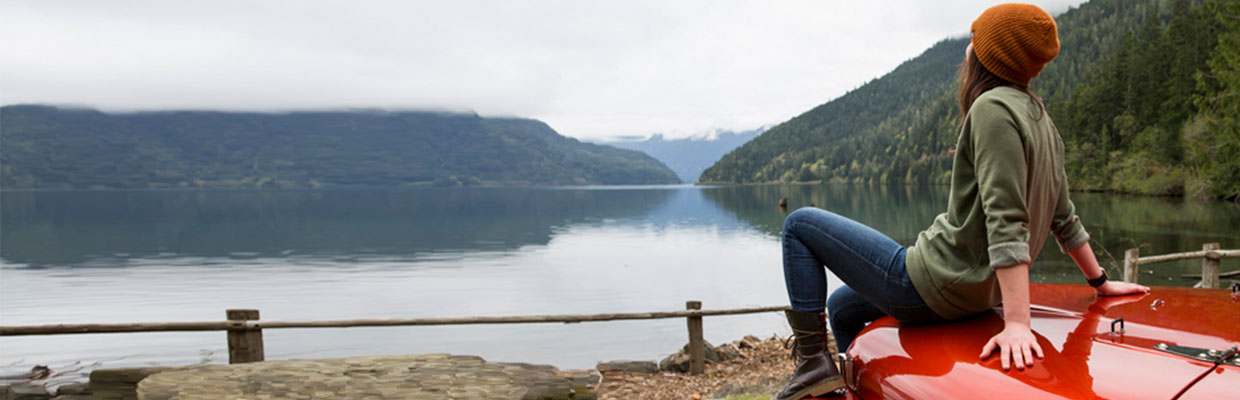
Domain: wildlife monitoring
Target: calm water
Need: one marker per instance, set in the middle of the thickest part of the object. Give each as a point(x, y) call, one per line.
point(132, 256)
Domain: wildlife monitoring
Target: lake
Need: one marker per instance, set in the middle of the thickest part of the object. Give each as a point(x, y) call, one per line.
point(139, 256)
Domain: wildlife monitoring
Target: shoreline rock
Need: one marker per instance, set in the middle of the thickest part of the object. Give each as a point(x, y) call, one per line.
point(25, 391)
point(642, 367)
point(742, 367)
point(425, 376)
point(757, 368)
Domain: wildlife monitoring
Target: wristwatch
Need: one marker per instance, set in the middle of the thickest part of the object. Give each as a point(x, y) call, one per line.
point(1101, 279)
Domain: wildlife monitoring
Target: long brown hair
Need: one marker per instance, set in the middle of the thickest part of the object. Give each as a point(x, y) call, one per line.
point(975, 79)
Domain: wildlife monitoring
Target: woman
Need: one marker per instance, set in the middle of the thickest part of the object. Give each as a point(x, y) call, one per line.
point(1008, 191)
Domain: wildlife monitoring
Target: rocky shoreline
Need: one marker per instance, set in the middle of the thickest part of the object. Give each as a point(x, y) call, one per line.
point(743, 369)
point(746, 369)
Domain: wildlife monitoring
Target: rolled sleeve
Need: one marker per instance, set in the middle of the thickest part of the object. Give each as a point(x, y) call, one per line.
point(1074, 237)
point(1000, 163)
point(1008, 254)
point(1067, 227)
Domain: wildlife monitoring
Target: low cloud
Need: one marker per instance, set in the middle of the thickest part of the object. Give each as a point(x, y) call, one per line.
point(592, 70)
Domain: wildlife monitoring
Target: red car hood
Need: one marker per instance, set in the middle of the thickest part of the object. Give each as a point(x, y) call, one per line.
point(1083, 359)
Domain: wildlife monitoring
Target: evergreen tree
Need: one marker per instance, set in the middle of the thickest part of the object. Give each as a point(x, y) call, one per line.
point(1143, 93)
point(1214, 138)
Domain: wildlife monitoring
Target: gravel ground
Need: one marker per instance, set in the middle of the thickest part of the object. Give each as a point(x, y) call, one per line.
point(762, 368)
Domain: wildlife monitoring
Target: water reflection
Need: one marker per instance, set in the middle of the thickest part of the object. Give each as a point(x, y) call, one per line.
point(491, 252)
point(83, 228)
point(1116, 223)
point(419, 253)
point(898, 211)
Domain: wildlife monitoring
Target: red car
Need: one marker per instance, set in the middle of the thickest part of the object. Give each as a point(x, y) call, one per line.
point(1173, 342)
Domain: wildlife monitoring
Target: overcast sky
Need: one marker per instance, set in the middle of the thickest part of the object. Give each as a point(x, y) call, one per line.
point(591, 69)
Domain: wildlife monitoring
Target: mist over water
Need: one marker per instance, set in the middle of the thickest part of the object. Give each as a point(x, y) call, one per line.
point(139, 256)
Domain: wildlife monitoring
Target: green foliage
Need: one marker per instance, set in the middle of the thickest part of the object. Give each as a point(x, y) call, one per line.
point(1213, 137)
point(1130, 78)
point(1146, 121)
point(1143, 173)
point(821, 143)
point(46, 147)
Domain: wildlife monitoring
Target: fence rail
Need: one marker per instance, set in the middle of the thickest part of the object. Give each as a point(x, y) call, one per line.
point(1210, 256)
point(245, 330)
point(245, 342)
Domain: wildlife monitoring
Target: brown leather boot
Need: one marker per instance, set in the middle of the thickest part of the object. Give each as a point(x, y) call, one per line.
point(816, 373)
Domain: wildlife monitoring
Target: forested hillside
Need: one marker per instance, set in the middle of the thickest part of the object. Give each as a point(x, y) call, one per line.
point(901, 127)
point(823, 143)
point(47, 147)
point(1157, 115)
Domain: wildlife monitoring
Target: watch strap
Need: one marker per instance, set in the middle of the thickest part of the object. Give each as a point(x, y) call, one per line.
point(1101, 279)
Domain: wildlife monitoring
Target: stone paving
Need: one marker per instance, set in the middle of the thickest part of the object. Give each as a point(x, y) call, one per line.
point(426, 376)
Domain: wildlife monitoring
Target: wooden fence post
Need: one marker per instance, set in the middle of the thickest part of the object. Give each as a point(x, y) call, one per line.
point(244, 345)
point(1130, 265)
point(697, 345)
point(1209, 267)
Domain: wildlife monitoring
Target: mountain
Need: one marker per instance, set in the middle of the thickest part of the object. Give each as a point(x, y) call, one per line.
point(821, 144)
point(49, 147)
point(688, 157)
point(902, 127)
point(1158, 114)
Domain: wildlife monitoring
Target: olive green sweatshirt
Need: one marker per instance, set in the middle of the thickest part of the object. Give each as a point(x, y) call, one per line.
point(1008, 190)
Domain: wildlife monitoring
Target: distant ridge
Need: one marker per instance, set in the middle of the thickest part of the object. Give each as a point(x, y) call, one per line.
point(688, 157)
point(50, 147)
point(1142, 92)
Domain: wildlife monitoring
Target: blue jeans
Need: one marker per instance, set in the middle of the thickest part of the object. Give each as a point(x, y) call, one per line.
point(870, 264)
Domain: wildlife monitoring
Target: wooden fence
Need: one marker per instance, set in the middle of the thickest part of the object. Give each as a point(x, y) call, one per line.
point(245, 330)
point(1210, 256)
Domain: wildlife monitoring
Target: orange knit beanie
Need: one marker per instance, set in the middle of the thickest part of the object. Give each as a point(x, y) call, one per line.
point(1014, 41)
